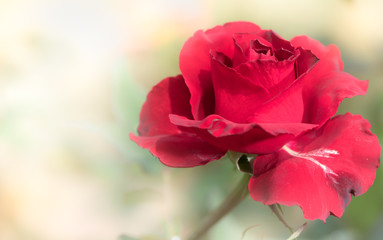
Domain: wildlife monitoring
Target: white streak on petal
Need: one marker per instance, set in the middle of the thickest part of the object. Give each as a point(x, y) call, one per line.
point(325, 153)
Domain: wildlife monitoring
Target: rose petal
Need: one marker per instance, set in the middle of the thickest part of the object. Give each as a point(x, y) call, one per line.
point(287, 107)
point(246, 137)
point(277, 41)
point(273, 76)
point(260, 45)
point(169, 96)
point(330, 53)
point(221, 127)
point(287, 103)
point(326, 85)
point(180, 150)
point(305, 62)
point(251, 46)
point(195, 62)
point(320, 170)
point(170, 143)
point(236, 96)
point(323, 92)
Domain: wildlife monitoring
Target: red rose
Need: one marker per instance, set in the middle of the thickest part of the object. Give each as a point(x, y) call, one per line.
point(248, 90)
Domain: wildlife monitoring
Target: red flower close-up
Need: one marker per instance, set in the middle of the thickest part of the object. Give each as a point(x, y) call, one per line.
point(247, 90)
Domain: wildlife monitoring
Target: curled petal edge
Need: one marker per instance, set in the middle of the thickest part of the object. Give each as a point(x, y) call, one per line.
point(321, 169)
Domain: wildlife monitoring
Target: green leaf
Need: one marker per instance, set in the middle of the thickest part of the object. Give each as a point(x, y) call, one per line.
point(243, 162)
point(244, 165)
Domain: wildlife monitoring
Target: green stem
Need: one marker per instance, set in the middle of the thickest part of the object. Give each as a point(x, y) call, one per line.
point(233, 199)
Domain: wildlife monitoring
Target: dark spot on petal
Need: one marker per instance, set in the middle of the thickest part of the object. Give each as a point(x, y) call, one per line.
point(346, 185)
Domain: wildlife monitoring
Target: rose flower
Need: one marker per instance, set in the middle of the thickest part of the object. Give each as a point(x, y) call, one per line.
point(247, 90)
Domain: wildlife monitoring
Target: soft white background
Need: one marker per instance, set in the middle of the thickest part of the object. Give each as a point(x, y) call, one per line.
point(66, 166)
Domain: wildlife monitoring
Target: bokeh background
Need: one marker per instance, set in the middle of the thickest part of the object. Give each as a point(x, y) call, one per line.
point(73, 77)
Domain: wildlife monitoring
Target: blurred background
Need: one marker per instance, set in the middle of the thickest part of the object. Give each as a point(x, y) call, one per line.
point(73, 77)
